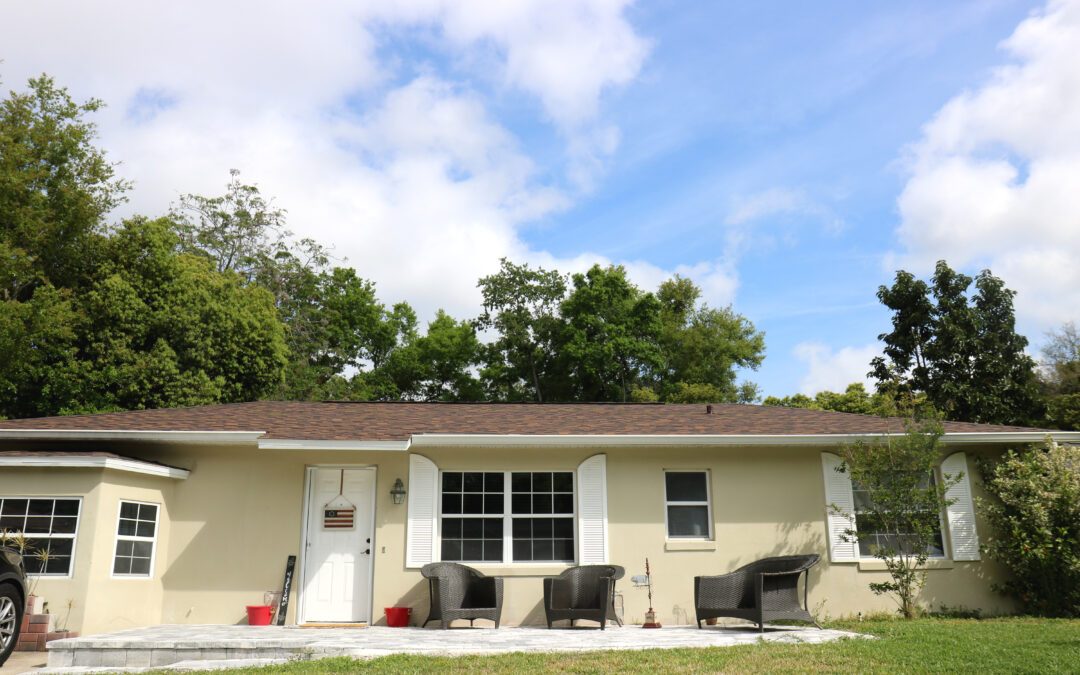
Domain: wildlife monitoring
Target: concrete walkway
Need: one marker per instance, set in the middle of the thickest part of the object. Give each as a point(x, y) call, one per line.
point(211, 647)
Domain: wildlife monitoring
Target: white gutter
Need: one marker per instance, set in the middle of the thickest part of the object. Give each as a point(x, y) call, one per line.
point(117, 463)
point(290, 444)
point(577, 440)
point(187, 437)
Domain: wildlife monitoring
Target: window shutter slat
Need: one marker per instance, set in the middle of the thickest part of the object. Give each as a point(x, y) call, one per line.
point(592, 511)
point(838, 493)
point(961, 513)
point(420, 543)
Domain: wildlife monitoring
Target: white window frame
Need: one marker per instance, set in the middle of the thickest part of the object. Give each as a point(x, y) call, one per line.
point(74, 536)
point(707, 504)
point(129, 537)
point(508, 519)
point(945, 543)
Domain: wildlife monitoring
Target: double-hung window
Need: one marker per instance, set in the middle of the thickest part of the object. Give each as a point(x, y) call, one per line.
point(519, 516)
point(136, 538)
point(687, 504)
point(48, 527)
point(873, 536)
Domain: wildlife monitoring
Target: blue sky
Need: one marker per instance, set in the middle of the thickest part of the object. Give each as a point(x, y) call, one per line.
point(788, 157)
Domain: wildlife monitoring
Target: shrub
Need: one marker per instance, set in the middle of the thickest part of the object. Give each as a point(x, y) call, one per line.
point(1036, 526)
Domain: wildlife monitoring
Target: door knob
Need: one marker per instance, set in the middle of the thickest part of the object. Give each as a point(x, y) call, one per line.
point(367, 552)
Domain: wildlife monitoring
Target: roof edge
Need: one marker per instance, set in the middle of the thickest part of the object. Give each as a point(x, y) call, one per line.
point(116, 463)
point(519, 440)
point(183, 437)
point(298, 444)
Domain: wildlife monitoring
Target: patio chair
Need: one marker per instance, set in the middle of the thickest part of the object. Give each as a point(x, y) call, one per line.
point(460, 592)
point(765, 590)
point(583, 592)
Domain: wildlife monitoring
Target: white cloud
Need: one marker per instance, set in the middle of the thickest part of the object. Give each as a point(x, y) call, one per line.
point(409, 177)
point(829, 370)
point(993, 180)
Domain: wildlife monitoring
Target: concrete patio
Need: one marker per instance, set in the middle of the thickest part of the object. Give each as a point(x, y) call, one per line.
point(214, 647)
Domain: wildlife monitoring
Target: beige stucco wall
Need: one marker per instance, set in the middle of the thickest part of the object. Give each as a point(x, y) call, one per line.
point(98, 601)
point(227, 529)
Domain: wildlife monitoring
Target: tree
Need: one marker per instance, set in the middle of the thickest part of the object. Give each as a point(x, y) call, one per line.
point(1060, 377)
point(55, 188)
point(899, 505)
point(855, 399)
point(701, 347)
point(964, 354)
point(1034, 513)
point(521, 305)
point(147, 329)
point(611, 335)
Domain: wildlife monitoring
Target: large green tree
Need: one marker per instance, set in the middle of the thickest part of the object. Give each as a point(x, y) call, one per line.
point(521, 306)
point(1060, 376)
point(611, 335)
point(854, 399)
point(56, 187)
point(962, 352)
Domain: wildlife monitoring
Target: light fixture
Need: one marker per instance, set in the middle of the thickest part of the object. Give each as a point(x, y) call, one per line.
point(398, 492)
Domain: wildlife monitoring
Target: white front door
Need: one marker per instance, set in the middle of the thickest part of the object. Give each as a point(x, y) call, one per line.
point(337, 561)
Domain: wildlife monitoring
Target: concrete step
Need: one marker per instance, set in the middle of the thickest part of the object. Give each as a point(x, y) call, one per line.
point(179, 666)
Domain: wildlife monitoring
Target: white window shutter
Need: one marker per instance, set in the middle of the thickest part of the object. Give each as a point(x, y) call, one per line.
point(838, 493)
point(592, 511)
point(961, 513)
point(420, 540)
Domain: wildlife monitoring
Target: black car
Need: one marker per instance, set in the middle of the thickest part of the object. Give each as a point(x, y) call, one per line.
point(12, 600)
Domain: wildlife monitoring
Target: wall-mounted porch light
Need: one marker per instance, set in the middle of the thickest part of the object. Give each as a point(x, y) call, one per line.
point(398, 492)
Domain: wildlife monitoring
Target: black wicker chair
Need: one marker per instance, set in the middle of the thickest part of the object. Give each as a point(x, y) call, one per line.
point(583, 592)
point(460, 592)
point(765, 590)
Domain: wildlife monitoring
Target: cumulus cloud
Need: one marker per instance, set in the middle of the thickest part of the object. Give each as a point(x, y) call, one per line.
point(407, 175)
point(829, 370)
point(993, 179)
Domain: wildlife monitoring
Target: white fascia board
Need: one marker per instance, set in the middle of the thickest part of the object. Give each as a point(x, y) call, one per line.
point(291, 444)
point(578, 440)
point(116, 463)
point(185, 437)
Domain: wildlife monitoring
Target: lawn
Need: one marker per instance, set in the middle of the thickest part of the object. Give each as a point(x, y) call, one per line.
point(1012, 645)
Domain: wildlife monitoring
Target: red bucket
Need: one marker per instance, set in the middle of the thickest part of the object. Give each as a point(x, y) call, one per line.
point(397, 617)
point(260, 615)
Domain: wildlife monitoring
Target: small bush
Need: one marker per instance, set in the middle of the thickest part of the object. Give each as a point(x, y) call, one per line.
point(1036, 523)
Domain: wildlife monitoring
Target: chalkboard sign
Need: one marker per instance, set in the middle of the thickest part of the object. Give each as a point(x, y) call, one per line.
point(286, 586)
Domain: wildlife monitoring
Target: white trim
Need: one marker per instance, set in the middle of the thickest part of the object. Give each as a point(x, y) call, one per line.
point(707, 504)
point(220, 437)
point(96, 462)
point(74, 535)
point(578, 440)
point(292, 444)
point(117, 538)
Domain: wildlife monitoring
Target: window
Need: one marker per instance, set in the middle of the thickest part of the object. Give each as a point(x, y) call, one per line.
point(49, 526)
point(136, 533)
point(533, 521)
point(687, 502)
point(865, 525)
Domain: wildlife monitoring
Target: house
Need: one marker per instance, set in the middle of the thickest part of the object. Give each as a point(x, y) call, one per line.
point(188, 515)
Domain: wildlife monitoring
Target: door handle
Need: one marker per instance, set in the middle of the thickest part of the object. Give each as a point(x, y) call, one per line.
point(367, 552)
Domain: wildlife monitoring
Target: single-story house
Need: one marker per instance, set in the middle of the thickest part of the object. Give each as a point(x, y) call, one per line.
point(188, 515)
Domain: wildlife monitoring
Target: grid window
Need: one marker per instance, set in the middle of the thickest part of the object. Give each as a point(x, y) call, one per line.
point(136, 534)
point(878, 538)
point(472, 516)
point(542, 504)
point(495, 516)
point(687, 504)
point(48, 526)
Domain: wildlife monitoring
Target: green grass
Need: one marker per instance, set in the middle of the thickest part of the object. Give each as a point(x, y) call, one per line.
point(931, 645)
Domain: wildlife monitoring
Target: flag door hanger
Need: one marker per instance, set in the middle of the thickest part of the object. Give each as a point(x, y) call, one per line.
point(339, 513)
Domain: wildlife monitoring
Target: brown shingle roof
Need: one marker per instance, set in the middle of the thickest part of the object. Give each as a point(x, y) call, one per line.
point(348, 421)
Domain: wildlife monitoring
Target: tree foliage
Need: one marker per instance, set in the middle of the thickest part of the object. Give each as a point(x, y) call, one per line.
point(855, 399)
point(963, 353)
point(904, 504)
point(1060, 377)
point(1034, 514)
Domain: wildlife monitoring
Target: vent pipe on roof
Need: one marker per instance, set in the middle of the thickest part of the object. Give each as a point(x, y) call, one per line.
point(708, 409)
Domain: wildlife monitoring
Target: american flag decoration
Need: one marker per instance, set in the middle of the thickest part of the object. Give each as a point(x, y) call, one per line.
point(339, 513)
